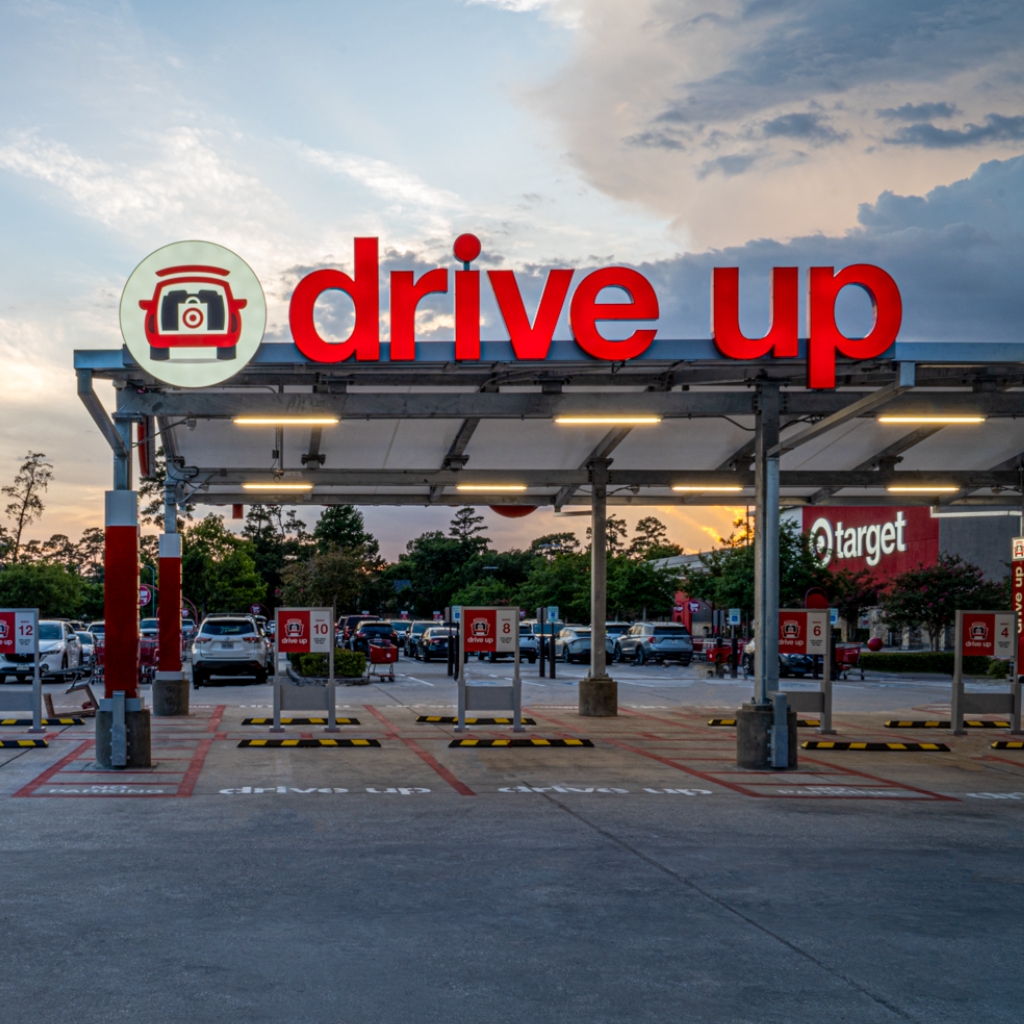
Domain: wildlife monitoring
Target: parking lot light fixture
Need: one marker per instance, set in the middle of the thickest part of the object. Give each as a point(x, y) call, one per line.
point(923, 489)
point(277, 487)
point(286, 421)
point(491, 488)
point(949, 421)
point(608, 421)
point(707, 488)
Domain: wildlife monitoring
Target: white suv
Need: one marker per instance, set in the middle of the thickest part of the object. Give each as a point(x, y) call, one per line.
point(229, 645)
point(60, 653)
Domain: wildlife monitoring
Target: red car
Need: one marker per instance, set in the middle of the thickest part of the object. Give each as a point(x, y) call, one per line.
point(192, 309)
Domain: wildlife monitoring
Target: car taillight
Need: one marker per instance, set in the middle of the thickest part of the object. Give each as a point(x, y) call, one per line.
point(203, 639)
point(251, 639)
point(652, 639)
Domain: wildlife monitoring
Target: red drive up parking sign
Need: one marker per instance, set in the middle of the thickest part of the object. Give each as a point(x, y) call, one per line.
point(7, 632)
point(17, 631)
point(481, 628)
point(293, 631)
point(989, 633)
point(803, 631)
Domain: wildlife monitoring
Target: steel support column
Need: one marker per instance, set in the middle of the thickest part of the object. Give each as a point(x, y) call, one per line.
point(598, 694)
point(170, 687)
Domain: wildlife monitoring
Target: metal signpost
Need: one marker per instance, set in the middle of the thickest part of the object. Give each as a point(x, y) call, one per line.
point(807, 631)
point(490, 631)
point(303, 631)
point(19, 634)
point(992, 634)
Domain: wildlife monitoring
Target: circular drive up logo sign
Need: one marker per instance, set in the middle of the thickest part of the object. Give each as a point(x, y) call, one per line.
point(193, 314)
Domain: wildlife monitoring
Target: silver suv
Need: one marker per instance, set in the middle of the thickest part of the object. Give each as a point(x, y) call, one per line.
point(655, 641)
point(229, 645)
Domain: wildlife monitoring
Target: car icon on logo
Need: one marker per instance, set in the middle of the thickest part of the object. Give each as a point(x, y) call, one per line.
point(3, 630)
point(293, 628)
point(979, 631)
point(480, 627)
point(791, 629)
point(191, 308)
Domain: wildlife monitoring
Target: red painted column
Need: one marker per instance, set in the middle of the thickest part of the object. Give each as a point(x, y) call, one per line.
point(121, 594)
point(169, 607)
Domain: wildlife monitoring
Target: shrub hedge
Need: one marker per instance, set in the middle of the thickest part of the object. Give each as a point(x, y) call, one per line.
point(347, 664)
point(922, 661)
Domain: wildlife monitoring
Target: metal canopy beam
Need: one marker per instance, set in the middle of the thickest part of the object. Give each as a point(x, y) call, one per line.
point(575, 478)
point(484, 405)
point(608, 444)
point(860, 407)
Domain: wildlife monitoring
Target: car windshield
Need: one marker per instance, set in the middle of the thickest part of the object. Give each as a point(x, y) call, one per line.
point(376, 627)
point(49, 631)
point(671, 631)
point(437, 634)
point(149, 624)
point(228, 627)
point(579, 632)
point(86, 638)
point(419, 627)
point(97, 628)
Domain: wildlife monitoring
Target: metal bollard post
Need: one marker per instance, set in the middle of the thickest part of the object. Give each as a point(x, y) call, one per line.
point(780, 730)
point(552, 653)
point(118, 733)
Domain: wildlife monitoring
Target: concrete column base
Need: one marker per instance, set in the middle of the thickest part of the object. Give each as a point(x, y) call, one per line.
point(170, 694)
point(753, 729)
point(599, 697)
point(137, 735)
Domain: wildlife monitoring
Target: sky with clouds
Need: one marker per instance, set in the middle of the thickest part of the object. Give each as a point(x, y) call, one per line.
point(669, 135)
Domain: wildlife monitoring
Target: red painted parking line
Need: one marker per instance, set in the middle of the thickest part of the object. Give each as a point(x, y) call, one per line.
point(218, 713)
point(41, 780)
point(188, 783)
point(428, 759)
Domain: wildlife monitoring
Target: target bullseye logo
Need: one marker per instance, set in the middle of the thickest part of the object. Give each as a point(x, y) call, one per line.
point(193, 314)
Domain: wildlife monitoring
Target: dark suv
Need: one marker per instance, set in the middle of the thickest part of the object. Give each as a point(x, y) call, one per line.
point(655, 641)
point(367, 632)
point(346, 625)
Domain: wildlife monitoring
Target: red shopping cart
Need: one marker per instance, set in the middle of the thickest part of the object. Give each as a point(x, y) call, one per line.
point(382, 656)
point(848, 658)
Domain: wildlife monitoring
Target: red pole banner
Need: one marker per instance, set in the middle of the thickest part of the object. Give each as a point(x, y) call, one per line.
point(121, 594)
point(1018, 599)
point(169, 603)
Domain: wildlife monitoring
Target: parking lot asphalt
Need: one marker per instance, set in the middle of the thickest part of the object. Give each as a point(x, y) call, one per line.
point(644, 878)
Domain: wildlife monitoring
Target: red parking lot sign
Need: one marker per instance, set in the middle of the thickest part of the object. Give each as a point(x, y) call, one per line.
point(989, 633)
point(303, 630)
point(803, 631)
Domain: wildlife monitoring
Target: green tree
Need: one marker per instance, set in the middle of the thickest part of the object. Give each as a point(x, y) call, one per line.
point(467, 528)
point(341, 578)
point(564, 581)
point(930, 596)
point(615, 534)
point(53, 589)
point(342, 526)
point(278, 539)
point(31, 480)
point(852, 591)
point(650, 540)
point(555, 544)
point(636, 588)
point(218, 572)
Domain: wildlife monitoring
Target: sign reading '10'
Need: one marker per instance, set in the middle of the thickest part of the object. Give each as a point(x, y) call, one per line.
point(193, 313)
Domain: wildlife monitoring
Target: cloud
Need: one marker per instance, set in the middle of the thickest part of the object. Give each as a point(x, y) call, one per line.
point(729, 165)
point(651, 85)
point(918, 111)
point(957, 254)
point(996, 128)
point(812, 128)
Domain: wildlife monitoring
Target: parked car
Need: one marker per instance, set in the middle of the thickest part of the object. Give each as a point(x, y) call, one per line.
point(347, 623)
point(550, 628)
point(798, 665)
point(367, 632)
point(149, 627)
point(412, 634)
point(529, 647)
point(88, 642)
point(97, 629)
point(655, 641)
point(614, 629)
point(433, 643)
point(573, 644)
point(60, 652)
point(229, 645)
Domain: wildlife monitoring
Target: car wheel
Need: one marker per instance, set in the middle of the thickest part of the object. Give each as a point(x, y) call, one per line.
point(426, 657)
point(492, 657)
point(783, 672)
point(198, 679)
point(565, 656)
point(532, 659)
point(639, 659)
point(617, 655)
point(261, 677)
